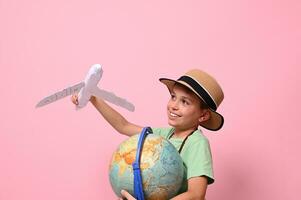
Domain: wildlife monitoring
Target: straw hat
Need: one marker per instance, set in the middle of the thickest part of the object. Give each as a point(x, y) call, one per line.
point(206, 88)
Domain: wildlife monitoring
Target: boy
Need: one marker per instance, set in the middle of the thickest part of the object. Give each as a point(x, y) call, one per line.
point(193, 102)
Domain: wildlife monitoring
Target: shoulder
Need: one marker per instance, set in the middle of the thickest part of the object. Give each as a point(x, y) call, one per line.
point(197, 148)
point(198, 139)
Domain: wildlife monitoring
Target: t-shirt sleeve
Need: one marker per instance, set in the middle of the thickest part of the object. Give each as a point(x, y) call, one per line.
point(199, 160)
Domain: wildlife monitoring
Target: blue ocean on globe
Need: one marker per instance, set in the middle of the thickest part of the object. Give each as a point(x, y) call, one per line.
point(161, 166)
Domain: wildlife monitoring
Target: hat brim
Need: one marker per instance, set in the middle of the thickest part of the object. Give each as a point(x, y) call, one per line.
point(216, 120)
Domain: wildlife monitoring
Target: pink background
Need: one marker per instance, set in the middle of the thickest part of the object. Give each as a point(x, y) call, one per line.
point(55, 152)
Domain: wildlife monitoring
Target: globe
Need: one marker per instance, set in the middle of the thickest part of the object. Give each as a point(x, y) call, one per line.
point(162, 168)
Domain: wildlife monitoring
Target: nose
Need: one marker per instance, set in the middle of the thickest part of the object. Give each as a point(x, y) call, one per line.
point(174, 105)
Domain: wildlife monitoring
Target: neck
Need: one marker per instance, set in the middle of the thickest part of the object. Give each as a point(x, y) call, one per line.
point(178, 133)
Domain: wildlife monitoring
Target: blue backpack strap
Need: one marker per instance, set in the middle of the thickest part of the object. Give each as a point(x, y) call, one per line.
point(138, 188)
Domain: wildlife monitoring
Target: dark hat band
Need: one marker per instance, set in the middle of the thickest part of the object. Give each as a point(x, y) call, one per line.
point(200, 90)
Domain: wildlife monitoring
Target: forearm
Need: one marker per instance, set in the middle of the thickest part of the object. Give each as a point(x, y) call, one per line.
point(197, 187)
point(114, 118)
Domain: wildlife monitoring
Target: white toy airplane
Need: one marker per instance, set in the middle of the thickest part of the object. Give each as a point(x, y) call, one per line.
point(87, 88)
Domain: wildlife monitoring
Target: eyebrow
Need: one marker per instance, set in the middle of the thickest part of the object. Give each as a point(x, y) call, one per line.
point(187, 98)
point(184, 97)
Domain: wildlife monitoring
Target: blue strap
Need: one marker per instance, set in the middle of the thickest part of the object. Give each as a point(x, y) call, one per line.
point(138, 188)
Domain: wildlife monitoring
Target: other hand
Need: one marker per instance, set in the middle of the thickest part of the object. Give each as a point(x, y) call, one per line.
point(126, 195)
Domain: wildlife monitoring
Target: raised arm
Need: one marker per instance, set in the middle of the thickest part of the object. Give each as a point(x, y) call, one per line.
point(114, 118)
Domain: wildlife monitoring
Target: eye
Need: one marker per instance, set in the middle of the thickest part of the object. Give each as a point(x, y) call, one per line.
point(172, 96)
point(185, 102)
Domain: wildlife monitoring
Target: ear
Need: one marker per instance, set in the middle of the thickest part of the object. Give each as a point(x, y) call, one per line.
point(205, 115)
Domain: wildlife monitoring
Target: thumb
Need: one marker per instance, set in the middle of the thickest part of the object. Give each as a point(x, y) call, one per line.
point(127, 195)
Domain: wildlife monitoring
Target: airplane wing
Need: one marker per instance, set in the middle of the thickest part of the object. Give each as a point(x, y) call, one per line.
point(87, 88)
point(105, 95)
point(61, 94)
point(112, 98)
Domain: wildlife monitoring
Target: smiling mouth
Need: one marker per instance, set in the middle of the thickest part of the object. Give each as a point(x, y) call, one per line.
point(173, 114)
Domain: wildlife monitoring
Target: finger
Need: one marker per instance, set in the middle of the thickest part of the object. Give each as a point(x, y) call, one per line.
point(127, 195)
point(74, 99)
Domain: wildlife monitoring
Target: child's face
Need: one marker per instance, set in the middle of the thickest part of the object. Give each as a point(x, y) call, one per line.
point(183, 108)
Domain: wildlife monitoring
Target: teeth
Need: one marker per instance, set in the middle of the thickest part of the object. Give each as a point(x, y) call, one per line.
point(173, 115)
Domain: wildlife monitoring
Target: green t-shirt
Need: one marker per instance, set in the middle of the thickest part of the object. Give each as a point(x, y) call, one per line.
point(196, 154)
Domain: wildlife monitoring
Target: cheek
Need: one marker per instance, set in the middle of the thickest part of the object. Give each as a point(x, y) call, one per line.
point(168, 104)
point(193, 112)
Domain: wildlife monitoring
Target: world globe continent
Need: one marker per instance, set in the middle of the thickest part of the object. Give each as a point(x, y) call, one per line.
point(162, 168)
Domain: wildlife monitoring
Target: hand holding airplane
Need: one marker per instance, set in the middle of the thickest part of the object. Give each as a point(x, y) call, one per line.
point(86, 89)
